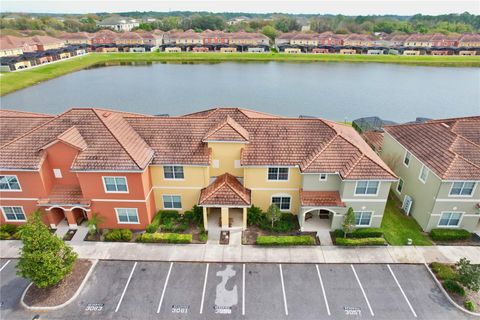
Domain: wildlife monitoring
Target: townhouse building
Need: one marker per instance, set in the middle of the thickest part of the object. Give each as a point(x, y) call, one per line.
point(104, 37)
point(76, 38)
point(438, 164)
point(441, 40)
point(126, 166)
point(305, 39)
point(363, 40)
point(118, 23)
point(329, 39)
point(14, 46)
point(469, 40)
point(419, 40)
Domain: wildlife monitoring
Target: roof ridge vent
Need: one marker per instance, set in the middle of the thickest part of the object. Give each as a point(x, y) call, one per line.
point(106, 114)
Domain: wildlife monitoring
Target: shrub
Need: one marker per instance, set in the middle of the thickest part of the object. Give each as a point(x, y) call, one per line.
point(453, 286)
point(469, 305)
point(285, 240)
point(360, 241)
point(164, 238)
point(468, 274)
point(195, 215)
point(155, 224)
point(203, 236)
point(117, 235)
point(360, 233)
point(449, 234)
point(4, 235)
point(8, 228)
point(443, 271)
point(255, 215)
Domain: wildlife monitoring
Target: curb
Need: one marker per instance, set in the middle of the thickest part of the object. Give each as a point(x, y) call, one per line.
point(439, 285)
point(75, 295)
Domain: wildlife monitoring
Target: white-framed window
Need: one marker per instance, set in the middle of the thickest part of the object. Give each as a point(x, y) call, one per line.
point(172, 202)
point(277, 174)
point(400, 186)
point(450, 219)
point(57, 173)
point(282, 202)
point(215, 163)
point(322, 177)
point(406, 159)
point(462, 188)
point(368, 188)
point(363, 218)
point(173, 172)
point(9, 183)
point(423, 174)
point(127, 215)
point(13, 213)
point(115, 184)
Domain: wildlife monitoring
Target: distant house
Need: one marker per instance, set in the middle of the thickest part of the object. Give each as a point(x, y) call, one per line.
point(188, 37)
point(118, 23)
point(104, 37)
point(44, 43)
point(396, 40)
point(76, 38)
point(284, 38)
point(438, 163)
point(210, 37)
point(237, 20)
point(362, 40)
point(248, 39)
point(14, 46)
point(329, 39)
point(469, 40)
point(419, 40)
point(305, 39)
point(129, 39)
point(441, 40)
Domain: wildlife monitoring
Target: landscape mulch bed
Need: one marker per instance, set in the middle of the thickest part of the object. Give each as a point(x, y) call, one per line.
point(60, 293)
point(473, 241)
point(249, 236)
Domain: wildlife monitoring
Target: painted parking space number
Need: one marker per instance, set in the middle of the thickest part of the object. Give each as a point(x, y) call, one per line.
point(352, 311)
point(180, 309)
point(223, 309)
point(94, 307)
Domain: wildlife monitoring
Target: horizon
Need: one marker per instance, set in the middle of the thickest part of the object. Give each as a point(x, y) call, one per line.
point(344, 7)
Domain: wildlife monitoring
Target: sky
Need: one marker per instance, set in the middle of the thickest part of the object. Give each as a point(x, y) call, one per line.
point(346, 7)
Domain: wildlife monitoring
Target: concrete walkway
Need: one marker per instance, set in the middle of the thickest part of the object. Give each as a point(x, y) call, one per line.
point(243, 253)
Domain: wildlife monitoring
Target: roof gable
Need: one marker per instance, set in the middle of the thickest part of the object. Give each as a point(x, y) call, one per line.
point(225, 190)
point(227, 130)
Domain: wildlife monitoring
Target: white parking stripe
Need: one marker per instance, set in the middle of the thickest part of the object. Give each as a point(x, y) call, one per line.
point(164, 287)
point(5, 265)
point(323, 290)
point(204, 287)
point(363, 291)
point(400, 287)
point(126, 286)
point(283, 289)
point(243, 291)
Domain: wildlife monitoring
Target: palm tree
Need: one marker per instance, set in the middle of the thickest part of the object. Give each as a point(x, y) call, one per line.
point(93, 223)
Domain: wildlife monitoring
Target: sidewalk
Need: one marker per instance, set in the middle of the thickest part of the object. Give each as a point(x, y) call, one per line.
point(253, 254)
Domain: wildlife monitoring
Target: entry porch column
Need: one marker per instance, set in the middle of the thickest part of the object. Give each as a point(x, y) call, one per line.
point(205, 219)
point(224, 214)
point(244, 218)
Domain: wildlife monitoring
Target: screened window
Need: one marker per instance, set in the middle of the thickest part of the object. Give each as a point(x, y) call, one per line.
point(127, 215)
point(282, 202)
point(406, 159)
point(366, 187)
point(362, 218)
point(9, 183)
point(462, 188)
point(400, 186)
point(278, 174)
point(14, 213)
point(115, 184)
point(423, 174)
point(172, 202)
point(450, 219)
point(173, 172)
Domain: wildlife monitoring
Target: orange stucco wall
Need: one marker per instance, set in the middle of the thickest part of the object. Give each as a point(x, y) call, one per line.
point(29, 206)
point(93, 188)
point(107, 211)
point(30, 183)
point(61, 156)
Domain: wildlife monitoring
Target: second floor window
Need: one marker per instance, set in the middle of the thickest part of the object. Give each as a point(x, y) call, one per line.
point(406, 160)
point(366, 188)
point(9, 183)
point(462, 188)
point(115, 184)
point(173, 172)
point(278, 174)
point(423, 174)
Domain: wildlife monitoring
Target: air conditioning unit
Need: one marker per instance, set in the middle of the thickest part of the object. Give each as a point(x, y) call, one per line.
point(407, 204)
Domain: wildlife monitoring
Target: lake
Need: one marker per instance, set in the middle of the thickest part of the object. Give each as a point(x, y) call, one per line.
point(336, 91)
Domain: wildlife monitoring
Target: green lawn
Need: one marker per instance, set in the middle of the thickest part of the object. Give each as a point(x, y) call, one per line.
point(397, 227)
point(10, 82)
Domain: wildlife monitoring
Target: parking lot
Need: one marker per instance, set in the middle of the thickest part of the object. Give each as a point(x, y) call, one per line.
point(174, 290)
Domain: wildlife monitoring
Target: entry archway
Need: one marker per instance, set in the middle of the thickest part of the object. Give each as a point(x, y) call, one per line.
point(315, 219)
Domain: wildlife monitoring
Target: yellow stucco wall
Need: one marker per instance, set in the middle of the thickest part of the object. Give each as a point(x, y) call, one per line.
point(256, 179)
point(195, 178)
point(226, 154)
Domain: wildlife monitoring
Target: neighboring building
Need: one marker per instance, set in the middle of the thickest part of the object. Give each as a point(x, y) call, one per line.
point(45, 43)
point(305, 39)
point(419, 40)
point(284, 39)
point(363, 40)
point(77, 38)
point(329, 39)
point(118, 23)
point(154, 39)
point(129, 39)
point(104, 37)
point(438, 163)
point(14, 46)
point(237, 20)
point(126, 166)
point(188, 38)
point(210, 37)
point(248, 39)
point(469, 40)
point(441, 40)
point(397, 40)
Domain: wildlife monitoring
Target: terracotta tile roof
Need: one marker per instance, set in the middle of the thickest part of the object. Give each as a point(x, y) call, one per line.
point(64, 195)
point(228, 130)
point(14, 123)
point(374, 139)
point(225, 190)
point(111, 144)
point(449, 147)
point(321, 198)
point(73, 137)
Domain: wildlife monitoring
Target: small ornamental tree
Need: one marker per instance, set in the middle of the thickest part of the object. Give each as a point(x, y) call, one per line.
point(468, 274)
point(349, 224)
point(273, 213)
point(45, 259)
point(93, 223)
